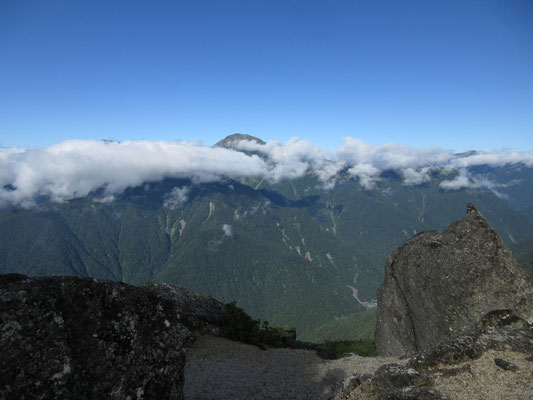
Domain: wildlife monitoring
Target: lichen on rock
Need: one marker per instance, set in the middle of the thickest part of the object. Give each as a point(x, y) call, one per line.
point(70, 337)
point(198, 311)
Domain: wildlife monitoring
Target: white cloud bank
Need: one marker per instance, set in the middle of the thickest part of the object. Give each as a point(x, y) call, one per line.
point(74, 168)
point(367, 163)
point(293, 159)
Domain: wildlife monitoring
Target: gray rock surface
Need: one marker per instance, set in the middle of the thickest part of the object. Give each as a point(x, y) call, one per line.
point(439, 284)
point(487, 362)
point(81, 338)
point(499, 330)
point(390, 376)
point(197, 311)
point(220, 369)
point(412, 393)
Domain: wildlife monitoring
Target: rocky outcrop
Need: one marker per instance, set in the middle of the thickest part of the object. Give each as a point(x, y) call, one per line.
point(197, 311)
point(439, 284)
point(492, 360)
point(458, 305)
point(499, 330)
point(69, 337)
point(391, 382)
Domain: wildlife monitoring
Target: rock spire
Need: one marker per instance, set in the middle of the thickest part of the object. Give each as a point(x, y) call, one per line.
point(439, 284)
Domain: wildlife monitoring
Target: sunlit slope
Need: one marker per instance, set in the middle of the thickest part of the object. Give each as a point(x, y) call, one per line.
point(286, 252)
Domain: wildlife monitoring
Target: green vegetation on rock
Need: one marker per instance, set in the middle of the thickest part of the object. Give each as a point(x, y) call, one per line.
point(237, 325)
point(357, 327)
point(339, 348)
point(148, 285)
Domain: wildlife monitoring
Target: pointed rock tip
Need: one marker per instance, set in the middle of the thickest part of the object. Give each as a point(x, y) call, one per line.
point(470, 208)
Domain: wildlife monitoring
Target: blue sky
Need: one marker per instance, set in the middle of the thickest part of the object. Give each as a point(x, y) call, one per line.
point(454, 74)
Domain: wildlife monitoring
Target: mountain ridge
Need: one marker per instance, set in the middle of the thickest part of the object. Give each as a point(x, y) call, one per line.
point(269, 245)
point(76, 330)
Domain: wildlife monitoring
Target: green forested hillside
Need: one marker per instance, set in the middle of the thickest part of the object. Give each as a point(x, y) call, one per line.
point(523, 253)
point(374, 222)
point(285, 252)
point(354, 327)
point(276, 262)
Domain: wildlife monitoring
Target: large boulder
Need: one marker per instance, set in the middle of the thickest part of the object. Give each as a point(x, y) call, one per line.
point(198, 311)
point(81, 338)
point(439, 284)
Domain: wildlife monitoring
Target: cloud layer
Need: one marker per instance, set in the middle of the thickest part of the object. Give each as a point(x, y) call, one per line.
point(176, 197)
point(74, 168)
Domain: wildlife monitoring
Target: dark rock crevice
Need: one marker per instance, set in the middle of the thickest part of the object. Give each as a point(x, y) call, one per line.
point(408, 313)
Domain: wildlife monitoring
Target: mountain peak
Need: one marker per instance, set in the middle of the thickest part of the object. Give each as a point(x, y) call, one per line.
point(466, 154)
point(230, 141)
point(470, 208)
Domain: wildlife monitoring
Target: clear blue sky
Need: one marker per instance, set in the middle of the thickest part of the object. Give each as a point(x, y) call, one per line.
point(456, 74)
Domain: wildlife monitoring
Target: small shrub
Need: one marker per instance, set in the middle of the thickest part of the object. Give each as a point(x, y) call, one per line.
point(148, 285)
point(285, 332)
point(362, 348)
point(237, 325)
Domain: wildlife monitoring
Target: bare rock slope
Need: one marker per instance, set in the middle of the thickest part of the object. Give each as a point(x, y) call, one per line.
point(439, 284)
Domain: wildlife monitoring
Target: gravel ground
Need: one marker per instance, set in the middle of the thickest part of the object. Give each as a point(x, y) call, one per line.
point(219, 369)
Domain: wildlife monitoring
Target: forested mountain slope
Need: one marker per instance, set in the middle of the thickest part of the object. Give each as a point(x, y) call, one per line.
point(292, 251)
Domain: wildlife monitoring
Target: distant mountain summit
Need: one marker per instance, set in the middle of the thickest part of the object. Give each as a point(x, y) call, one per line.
point(230, 141)
point(466, 154)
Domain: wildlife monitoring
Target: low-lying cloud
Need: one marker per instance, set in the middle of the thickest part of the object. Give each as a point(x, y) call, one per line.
point(75, 168)
point(292, 159)
point(228, 230)
point(367, 163)
point(176, 197)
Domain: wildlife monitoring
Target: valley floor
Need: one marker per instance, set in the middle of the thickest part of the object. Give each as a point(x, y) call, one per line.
point(220, 369)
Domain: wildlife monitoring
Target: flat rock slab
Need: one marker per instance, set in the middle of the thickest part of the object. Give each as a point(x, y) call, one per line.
point(218, 369)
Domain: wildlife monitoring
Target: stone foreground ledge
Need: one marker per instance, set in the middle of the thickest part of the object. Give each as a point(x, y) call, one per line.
point(71, 337)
